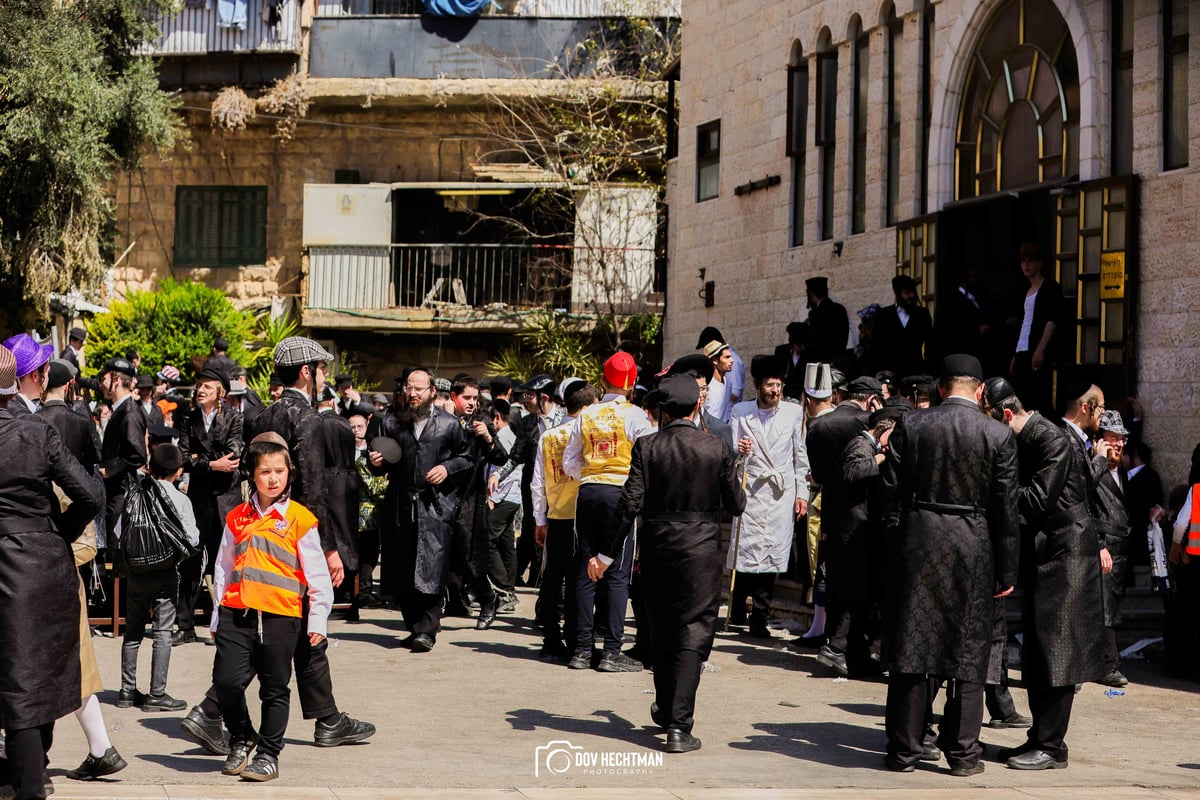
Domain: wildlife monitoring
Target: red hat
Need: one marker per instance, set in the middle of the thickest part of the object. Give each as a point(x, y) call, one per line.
point(620, 371)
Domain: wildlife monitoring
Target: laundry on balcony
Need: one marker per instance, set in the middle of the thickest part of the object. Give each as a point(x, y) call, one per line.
point(456, 8)
point(231, 14)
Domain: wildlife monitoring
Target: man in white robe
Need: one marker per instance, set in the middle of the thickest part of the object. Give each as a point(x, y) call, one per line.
point(770, 437)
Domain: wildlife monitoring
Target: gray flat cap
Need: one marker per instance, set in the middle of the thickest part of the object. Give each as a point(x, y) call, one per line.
point(295, 351)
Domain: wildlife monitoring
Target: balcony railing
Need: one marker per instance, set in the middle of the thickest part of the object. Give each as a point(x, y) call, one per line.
point(229, 26)
point(563, 9)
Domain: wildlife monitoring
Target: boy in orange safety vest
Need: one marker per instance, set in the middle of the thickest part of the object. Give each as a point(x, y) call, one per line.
point(270, 557)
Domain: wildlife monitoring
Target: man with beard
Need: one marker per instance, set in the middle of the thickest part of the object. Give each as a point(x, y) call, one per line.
point(424, 469)
point(1061, 609)
point(770, 436)
point(903, 330)
point(680, 479)
point(828, 324)
point(957, 545)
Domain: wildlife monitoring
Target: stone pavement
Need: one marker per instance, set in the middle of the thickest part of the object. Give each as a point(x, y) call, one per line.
point(480, 716)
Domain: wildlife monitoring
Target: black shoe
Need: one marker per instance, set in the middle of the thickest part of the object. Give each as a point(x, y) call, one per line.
point(1114, 679)
point(581, 660)
point(1036, 759)
point(834, 659)
point(182, 637)
point(967, 770)
point(368, 600)
point(456, 610)
point(759, 630)
point(164, 703)
point(239, 756)
point(487, 615)
point(406, 641)
point(660, 719)
point(130, 698)
point(619, 662)
point(348, 731)
point(1013, 720)
point(92, 767)
point(262, 768)
point(554, 651)
point(509, 604)
point(423, 643)
point(930, 752)
point(206, 731)
point(1005, 753)
point(680, 741)
point(811, 642)
point(897, 765)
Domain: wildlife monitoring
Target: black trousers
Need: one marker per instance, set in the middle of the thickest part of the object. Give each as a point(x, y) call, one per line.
point(422, 612)
point(1112, 654)
point(529, 555)
point(368, 559)
point(465, 531)
point(26, 749)
point(191, 575)
point(958, 734)
point(1050, 707)
point(253, 643)
point(676, 679)
point(556, 597)
point(593, 516)
point(760, 588)
point(495, 554)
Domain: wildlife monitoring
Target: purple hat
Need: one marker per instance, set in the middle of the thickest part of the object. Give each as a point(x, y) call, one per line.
point(29, 354)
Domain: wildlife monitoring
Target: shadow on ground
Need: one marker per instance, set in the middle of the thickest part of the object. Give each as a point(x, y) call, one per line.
point(835, 744)
point(607, 724)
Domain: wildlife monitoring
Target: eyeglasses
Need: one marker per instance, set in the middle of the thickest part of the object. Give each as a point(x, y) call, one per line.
point(408, 389)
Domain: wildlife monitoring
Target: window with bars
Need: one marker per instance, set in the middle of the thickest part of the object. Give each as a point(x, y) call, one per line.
point(1175, 83)
point(220, 226)
point(797, 143)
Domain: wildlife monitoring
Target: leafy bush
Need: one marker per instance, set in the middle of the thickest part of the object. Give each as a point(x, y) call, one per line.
point(553, 346)
point(175, 325)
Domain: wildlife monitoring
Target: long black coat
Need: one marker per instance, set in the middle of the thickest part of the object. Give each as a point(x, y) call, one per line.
point(293, 417)
point(829, 331)
point(680, 479)
point(1114, 532)
point(901, 348)
point(341, 488)
point(39, 587)
point(122, 453)
point(826, 441)
point(793, 379)
point(856, 574)
point(416, 512)
point(957, 545)
point(78, 434)
point(213, 494)
point(1060, 558)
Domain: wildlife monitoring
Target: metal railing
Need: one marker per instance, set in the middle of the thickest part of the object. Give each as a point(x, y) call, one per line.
point(494, 277)
point(568, 9)
point(229, 26)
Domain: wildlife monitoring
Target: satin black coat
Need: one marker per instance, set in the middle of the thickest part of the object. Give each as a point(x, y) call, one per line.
point(341, 488)
point(122, 452)
point(78, 434)
point(857, 574)
point(293, 417)
point(418, 513)
point(1113, 529)
point(39, 586)
point(828, 436)
point(213, 494)
point(957, 544)
point(680, 479)
point(1061, 609)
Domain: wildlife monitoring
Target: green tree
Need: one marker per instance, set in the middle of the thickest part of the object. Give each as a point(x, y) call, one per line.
point(175, 325)
point(75, 103)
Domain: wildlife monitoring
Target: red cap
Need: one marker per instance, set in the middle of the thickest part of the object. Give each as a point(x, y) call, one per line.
point(620, 371)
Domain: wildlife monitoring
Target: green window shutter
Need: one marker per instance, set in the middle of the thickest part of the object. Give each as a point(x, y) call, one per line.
point(220, 226)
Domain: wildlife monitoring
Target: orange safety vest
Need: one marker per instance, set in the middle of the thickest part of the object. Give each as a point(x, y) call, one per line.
point(1192, 542)
point(267, 575)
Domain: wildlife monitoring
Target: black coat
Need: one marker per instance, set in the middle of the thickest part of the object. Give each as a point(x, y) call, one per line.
point(18, 409)
point(829, 331)
point(901, 348)
point(293, 417)
point(956, 329)
point(213, 494)
point(793, 378)
point(826, 441)
point(718, 428)
point(1048, 307)
point(122, 453)
point(1114, 533)
point(341, 488)
point(39, 586)
point(680, 480)
point(78, 434)
point(957, 544)
point(154, 415)
point(418, 513)
point(856, 574)
point(1060, 558)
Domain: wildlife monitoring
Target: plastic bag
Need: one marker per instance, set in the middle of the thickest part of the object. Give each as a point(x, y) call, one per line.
point(152, 536)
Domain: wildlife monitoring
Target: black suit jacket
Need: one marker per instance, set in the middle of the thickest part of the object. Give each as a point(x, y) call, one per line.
point(956, 329)
point(78, 434)
point(18, 409)
point(201, 447)
point(122, 453)
point(68, 354)
point(900, 348)
point(829, 331)
point(341, 487)
point(793, 379)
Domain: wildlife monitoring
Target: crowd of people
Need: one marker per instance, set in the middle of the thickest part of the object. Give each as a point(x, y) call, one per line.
point(911, 504)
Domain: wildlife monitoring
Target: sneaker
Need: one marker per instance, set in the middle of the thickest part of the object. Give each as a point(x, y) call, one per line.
point(262, 768)
point(581, 660)
point(205, 731)
point(130, 698)
point(347, 731)
point(239, 756)
point(618, 662)
point(92, 767)
point(164, 703)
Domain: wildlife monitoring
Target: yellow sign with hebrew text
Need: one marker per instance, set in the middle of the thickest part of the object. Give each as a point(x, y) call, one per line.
point(1112, 276)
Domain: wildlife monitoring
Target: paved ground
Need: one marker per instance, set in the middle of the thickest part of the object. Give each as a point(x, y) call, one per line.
point(476, 716)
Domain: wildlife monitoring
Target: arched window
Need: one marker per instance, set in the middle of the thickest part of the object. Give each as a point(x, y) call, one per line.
point(826, 129)
point(797, 135)
point(1019, 120)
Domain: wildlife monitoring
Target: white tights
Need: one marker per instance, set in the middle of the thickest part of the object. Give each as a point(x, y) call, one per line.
point(92, 721)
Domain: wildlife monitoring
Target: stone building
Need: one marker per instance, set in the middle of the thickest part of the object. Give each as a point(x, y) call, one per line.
point(861, 140)
point(360, 219)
